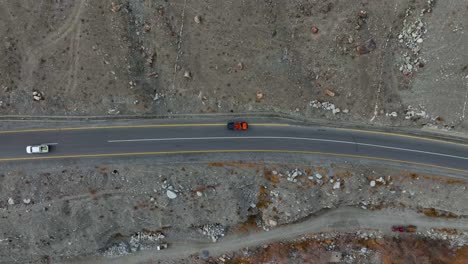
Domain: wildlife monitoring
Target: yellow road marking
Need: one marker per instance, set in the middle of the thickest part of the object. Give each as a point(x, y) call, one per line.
point(232, 151)
point(402, 135)
point(129, 126)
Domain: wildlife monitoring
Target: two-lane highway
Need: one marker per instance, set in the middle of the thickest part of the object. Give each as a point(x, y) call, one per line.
point(214, 137)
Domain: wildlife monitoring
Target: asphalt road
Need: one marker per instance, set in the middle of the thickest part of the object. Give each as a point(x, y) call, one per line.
point(211, 138)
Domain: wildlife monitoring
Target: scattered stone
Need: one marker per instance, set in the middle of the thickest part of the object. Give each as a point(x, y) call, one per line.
point(171, 194)
point(215, 231)
point(26, 200)
point(115, 7)
point(415, 114)
point(336, 185)
point(146, 28)
point(161, 246)
point(153, 74)
point(325, 106)
point(11, 201)
point(370, 44)
point(329, 92)
point(411, 37)
point(187, 75)
point(113, 112)
point(150, 59)
point(259, 96)
point(199, 194)
point(361, 19)
point(362, 14)
point(318, 176)
point(314, 29)
point(346, 111)
point(157, 96)
point(361, 50)
point(272, 222)
point(37, 96)
point(197, 19)
point(372, 183)
point(392, 114)
point(293, 174)
point(240, 66)
point(367, 47)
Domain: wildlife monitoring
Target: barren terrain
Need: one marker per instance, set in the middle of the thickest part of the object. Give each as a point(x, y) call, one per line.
point(59, 211)
point(383, 62)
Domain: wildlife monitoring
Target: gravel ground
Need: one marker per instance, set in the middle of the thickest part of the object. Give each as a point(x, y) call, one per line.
point(78, 208)
point(131, 56)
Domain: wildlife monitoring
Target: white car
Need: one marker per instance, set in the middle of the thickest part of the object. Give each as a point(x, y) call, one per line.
point(37, 149)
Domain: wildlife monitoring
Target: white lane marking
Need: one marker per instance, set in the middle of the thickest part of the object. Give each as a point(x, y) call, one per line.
point(292, 138)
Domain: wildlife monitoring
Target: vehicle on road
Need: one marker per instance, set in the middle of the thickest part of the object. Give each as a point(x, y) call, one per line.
point(403, 229)
point(238, 126)
point(43, 148)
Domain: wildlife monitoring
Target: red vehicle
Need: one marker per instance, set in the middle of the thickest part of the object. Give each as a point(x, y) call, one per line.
point(403, 229)
point(238, 126)
point(400, 229)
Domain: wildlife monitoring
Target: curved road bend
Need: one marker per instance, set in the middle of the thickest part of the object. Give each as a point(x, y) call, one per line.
point(201, 138)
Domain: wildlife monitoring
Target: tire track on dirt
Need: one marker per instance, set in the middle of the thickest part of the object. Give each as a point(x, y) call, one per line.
point(63, 31)
point(346, 219)
point(31, 58)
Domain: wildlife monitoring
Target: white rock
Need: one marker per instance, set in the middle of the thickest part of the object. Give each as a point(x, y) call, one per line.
point(26, 201)
point(310, 177)
point(336, 185)
point(318, 176)
point(272, 222)
point(346, 110)
point(380, 179)
point(420, 40)
point(332, 181)
point(199, 194)
point(171, 194)
point(335, 111)
point(274, 172)
point(372, 183)
point(11, 201)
